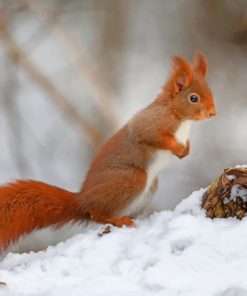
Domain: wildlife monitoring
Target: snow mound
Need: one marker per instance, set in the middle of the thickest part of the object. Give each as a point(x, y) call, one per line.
point(170, 253)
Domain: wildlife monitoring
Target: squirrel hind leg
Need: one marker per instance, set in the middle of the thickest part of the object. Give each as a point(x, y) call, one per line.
point(119, 222)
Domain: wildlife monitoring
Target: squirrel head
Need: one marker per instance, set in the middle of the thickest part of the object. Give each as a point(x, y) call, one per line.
point(188, 93)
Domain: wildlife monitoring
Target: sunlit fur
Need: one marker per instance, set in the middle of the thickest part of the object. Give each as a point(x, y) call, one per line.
point(123, 175)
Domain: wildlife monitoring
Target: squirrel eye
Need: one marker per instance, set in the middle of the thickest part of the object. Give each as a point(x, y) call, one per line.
point(193, 98)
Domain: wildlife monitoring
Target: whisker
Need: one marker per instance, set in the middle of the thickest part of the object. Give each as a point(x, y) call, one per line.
point(221, 115)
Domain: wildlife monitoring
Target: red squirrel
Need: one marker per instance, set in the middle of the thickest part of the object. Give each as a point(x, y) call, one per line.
point(123, 175)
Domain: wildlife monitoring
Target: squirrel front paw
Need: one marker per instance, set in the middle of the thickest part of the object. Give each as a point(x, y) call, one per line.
point(183, 150)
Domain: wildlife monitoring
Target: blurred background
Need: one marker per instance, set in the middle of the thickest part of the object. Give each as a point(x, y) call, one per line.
point(72, 72)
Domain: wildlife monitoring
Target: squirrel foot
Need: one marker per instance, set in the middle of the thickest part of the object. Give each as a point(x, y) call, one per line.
point(119, 222)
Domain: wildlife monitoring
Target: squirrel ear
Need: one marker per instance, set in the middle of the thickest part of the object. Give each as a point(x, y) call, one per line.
point(182, 73)
point(200, 64)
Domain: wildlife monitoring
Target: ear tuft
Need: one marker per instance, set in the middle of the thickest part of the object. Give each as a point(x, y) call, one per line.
point(199, 64)
point(182, 74)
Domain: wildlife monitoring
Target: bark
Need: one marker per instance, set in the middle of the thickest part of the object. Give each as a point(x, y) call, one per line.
point(227, 195)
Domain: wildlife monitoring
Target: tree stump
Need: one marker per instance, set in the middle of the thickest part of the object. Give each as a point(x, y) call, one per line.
point(227, 195)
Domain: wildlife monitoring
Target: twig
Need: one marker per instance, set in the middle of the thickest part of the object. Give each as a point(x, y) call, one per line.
point(96, 84)
point(18, 55)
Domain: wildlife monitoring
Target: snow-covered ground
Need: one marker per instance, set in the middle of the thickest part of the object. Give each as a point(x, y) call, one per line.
point(178, 252)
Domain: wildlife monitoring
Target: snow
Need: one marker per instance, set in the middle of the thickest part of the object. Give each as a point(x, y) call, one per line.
point(170, 253)
point(238, 191)
point(231, 177)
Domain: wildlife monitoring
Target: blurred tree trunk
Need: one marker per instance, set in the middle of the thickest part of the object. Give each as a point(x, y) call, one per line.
point(110, 43)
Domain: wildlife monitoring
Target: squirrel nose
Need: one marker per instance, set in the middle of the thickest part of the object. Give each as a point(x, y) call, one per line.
point(212, 113)
point(208, 113)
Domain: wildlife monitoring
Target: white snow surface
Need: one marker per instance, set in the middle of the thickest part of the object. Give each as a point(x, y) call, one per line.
point(178, 252)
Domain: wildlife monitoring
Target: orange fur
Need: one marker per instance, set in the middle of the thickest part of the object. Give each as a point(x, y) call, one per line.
point(119, 173)
point(29, 205)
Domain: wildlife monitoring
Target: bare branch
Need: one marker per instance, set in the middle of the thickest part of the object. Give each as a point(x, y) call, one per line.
point(96, 83)
point(18, 55)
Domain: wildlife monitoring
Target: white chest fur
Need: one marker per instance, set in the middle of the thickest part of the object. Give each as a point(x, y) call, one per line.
point(159, 160)
point(162, 157)
point(182, 133)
